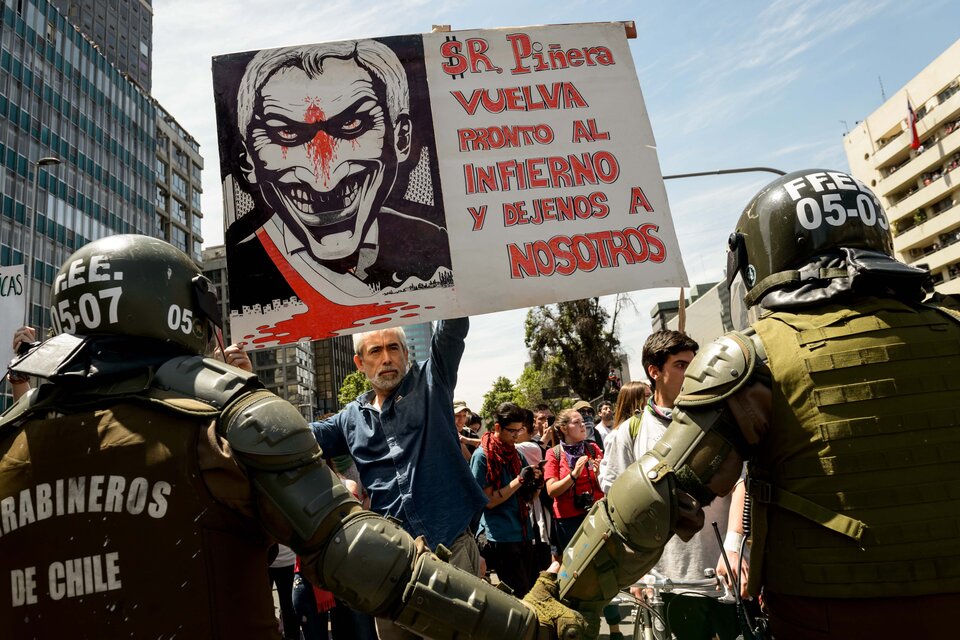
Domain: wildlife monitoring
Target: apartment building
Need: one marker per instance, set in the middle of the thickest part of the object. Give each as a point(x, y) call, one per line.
point(918, 184)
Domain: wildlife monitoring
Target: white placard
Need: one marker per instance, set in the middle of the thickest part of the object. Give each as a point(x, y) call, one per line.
point(404, 179)
point(12, 303)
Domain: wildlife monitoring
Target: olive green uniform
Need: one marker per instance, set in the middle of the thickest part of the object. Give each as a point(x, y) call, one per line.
point(857, 488)
point(115, 516)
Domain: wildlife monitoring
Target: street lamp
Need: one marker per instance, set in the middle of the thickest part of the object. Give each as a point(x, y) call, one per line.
point(28, 257)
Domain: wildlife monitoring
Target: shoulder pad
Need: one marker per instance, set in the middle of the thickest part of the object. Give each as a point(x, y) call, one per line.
point(205, 379)
point(265, 426)
point(721, 369)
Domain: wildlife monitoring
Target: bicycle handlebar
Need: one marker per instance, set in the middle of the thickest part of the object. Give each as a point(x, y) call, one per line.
point(669, 584)
point(660, 583)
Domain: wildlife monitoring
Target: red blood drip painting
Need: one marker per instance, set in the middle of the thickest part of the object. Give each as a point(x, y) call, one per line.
point(323, 317)
point(320, 149)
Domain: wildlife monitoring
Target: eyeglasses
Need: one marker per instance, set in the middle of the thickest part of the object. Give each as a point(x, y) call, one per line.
point(512, 431)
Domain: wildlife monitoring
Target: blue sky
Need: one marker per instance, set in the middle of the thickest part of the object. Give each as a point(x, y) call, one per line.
point(726, 84)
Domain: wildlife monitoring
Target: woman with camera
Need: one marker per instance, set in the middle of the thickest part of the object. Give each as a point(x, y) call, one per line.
point(571, 476)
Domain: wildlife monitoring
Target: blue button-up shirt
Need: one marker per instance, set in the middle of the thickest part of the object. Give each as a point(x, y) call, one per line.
point(408, 453)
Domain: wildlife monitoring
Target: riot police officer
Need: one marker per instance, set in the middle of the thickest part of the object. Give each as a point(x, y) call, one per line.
point(842, 396)
point(140, 485)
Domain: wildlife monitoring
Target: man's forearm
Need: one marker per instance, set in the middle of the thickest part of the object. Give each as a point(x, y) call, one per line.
point(446, 349)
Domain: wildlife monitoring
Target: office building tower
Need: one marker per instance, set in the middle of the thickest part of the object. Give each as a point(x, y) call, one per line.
point(76, 138)
point(214, 265)
point(333, 362)
point(288, 371)
point(122, 29)
point(419, 337)
point(911, 162)
point(662, 313)
point(178, 167)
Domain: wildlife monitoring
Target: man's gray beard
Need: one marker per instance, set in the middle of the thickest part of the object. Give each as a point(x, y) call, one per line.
point(382, 384)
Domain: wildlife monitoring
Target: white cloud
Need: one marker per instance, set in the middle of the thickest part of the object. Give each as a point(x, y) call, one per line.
point(788, 28)
point(715, 105)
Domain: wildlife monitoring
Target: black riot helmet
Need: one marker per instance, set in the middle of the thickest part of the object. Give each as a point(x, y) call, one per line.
point(136, 286)
point(797, 217)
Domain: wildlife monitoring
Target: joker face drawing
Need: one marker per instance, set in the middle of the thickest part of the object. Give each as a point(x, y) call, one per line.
point(324, 129)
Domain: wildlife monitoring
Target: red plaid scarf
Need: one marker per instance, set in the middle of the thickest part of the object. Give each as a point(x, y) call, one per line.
point(499, 455)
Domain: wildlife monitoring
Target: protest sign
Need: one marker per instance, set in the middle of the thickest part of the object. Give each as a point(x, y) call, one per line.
point(11, 309)
point(403, 179)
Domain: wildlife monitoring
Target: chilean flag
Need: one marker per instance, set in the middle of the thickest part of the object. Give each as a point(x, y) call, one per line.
point(912, 119)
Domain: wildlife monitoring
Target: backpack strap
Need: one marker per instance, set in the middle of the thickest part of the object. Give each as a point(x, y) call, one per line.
point(634, 427)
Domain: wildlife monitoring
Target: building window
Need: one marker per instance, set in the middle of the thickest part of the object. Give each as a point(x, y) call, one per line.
point(947, 93)
point(179, 185)
point(178, 238)
point(179, 212)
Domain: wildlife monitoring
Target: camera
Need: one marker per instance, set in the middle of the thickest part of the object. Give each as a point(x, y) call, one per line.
point(528, 475)
point(583, 500)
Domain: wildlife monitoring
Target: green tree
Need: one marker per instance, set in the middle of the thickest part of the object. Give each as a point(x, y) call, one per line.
point(576, 336)
point(535, 381)
point(502, 391)
point(528, 389)
point(353, 385)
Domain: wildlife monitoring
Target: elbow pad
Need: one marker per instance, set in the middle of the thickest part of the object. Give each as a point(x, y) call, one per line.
point(274, 443)
point(704, 431)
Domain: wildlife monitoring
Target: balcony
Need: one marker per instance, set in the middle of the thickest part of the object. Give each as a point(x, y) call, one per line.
point(924, 195)
point(932, 157)
point(951, 284)
point(940, 223)
point(936, 116)
point(931, 228)
point(942, 257)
